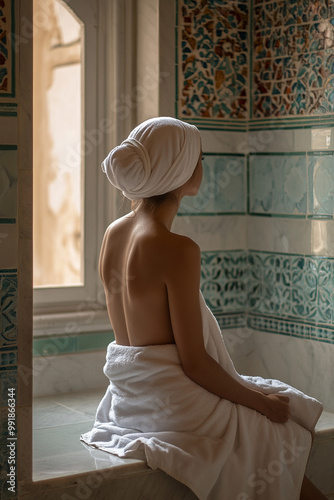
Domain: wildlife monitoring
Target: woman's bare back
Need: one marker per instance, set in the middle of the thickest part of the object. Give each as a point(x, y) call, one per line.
point(134, 261)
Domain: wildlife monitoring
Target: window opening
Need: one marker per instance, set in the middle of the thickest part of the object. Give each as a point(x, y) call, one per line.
point(58, 160)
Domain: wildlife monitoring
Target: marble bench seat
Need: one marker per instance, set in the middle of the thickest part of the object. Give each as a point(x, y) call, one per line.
point(62, 465)
point(320, 467)
point(59, 456)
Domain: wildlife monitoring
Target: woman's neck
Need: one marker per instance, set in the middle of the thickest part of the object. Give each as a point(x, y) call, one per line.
point(163, 213)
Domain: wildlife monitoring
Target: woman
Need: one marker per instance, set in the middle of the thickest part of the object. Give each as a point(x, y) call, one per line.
point(171, 379)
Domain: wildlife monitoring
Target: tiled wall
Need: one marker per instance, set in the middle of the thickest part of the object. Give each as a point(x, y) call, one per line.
point(292, 58)
point(224, 286)
point(292, 184)
point(282, 68)
point(15, 244)
point(270, 291)
point(291, 294)
point(8, 235)
point(273, 84)
point(212, 65)
point(7, 64)
point(223, 190)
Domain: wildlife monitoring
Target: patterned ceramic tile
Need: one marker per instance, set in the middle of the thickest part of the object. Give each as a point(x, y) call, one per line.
point(278, 184)
point(292, 286)
point(292, 58)
point(223, 280)
point(280, 293)
point(8, 182)
point(7, 53)
point(278, 13)
point(212, 59)
point(321, 185)
point(8, 307)
point(223, 188)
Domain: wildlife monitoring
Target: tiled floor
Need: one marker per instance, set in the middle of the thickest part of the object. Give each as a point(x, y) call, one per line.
point(58, 422)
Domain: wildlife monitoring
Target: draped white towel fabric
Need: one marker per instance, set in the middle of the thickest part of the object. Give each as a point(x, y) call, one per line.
point(154, 412)
point(159, 156)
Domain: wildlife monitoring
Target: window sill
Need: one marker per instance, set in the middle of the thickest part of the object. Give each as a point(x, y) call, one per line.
point(93, 320)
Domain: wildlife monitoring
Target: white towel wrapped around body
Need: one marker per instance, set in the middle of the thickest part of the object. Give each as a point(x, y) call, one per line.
point(220, 450)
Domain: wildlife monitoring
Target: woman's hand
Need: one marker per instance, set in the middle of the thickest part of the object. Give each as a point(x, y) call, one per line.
point(276, 407)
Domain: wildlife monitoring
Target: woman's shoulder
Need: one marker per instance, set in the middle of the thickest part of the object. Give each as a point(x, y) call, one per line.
point(180, 240)
point(183, 253)
point(154, 239)
point(119, 228)
point(119, 222)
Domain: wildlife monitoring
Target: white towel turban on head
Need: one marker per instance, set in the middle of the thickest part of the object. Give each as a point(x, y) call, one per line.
point(159, 156)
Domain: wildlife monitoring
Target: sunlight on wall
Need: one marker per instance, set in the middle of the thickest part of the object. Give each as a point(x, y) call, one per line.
point(319, 237)
point(321, 138)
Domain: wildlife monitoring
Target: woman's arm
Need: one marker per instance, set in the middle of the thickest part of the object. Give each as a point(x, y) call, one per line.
point(183, 281)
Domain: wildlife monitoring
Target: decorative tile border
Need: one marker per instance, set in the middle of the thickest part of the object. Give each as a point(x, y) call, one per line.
point(290, 328)
point(228, 321)
point(7, 49)
point(291, 184)
point(223, 188)
point(222, 125)
point(291, 123)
